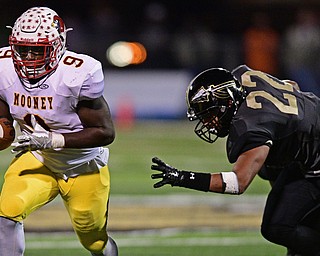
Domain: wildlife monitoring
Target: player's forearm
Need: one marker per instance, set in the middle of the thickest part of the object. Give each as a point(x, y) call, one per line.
point(89, 137)
point(216, 183)
point(225, 182)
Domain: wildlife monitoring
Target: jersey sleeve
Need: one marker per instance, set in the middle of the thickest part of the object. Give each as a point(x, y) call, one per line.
point(263, 123)
point(243, 138)
point(245, 142)
point(7, 72)
point(93, 84)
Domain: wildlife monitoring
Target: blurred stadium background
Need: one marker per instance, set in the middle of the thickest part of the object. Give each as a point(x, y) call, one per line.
point(150, 50)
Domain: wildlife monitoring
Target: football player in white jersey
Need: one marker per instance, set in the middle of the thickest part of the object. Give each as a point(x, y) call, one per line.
point(56, 98)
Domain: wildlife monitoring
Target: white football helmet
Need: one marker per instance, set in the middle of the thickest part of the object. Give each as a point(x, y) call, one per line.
point(38, 41)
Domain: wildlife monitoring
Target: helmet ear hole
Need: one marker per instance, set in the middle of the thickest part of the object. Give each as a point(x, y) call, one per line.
point(216, 93)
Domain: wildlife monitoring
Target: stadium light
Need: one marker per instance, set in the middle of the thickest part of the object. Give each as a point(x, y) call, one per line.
point(121, 54)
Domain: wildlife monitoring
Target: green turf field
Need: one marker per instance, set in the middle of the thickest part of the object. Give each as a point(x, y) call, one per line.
point(162, 243)
point(172, 141)
point(130, 160)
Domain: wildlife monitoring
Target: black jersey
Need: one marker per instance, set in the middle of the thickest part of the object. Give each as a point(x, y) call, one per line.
point(276, 114)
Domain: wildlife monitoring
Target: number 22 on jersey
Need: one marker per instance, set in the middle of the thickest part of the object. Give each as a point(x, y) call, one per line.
point(289, 108)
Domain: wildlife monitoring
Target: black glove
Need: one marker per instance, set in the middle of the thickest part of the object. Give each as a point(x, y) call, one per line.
point(175, 177)
point(169, 174)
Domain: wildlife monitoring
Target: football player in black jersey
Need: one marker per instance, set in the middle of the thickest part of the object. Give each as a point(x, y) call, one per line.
point(273, 130)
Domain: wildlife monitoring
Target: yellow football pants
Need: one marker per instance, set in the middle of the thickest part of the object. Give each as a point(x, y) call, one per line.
point(28, 185)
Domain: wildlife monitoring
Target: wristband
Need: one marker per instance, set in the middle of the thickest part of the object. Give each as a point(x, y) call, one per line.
point(195, 180)
point(230, 183)
point(57, 140)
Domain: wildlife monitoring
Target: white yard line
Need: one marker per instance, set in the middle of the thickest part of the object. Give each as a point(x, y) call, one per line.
point(156, 241)
point(236, 203)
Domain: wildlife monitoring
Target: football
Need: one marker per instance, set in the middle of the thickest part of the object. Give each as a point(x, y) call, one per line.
point(7, 133)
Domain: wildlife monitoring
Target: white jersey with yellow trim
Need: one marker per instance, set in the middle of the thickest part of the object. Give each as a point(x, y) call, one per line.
point(54, 103)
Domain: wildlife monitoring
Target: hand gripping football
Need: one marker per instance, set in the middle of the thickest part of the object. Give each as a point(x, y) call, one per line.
point(7, 133)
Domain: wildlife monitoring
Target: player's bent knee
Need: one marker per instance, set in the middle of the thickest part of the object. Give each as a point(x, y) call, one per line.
point(90, 230)
point(83, 220)
point(269, 232)
point(94, 240)
point(95, 247)
point(277, 234)
point(13, 208)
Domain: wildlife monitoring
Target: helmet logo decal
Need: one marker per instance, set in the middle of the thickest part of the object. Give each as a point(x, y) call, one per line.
point(58, 24)
point(220, 91)
point(202, 95)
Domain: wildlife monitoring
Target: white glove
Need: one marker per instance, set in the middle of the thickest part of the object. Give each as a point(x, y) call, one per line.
point(37, 138)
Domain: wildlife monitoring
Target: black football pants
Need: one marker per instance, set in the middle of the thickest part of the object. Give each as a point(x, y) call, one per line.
point(292, 213)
